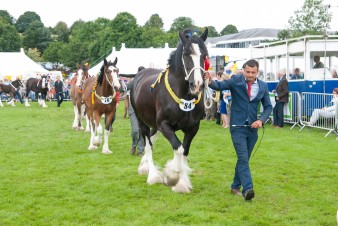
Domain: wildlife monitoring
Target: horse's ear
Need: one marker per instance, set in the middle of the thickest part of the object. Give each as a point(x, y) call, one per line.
point(115, 61)
point(205, 34)
point(78, 66)
point(182, 36)
point(105, 61)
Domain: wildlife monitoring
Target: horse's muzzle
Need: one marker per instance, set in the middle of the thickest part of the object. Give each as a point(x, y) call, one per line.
point(195, 89)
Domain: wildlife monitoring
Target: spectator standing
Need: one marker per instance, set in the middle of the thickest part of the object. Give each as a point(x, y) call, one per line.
point(318, 64)
point(281, 97)
point(17, 94)
point(58, 90)
point(137, 139)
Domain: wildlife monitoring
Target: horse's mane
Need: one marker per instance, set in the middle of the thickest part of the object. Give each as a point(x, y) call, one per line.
point(175, 58)
point(101, 73)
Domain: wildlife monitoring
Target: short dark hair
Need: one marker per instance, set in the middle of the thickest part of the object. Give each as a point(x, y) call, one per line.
point(251, 63)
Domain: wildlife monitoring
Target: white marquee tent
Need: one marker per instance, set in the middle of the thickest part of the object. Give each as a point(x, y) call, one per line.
point(129, 59)
point(13, 64)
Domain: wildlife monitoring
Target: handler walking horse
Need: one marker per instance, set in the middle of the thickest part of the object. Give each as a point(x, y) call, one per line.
point(174, 103)
point(76, 86)
point(38, 86)
point(10, 89)
point(99, 96)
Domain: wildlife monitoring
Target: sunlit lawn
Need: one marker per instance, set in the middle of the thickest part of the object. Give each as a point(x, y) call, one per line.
point(48, 177)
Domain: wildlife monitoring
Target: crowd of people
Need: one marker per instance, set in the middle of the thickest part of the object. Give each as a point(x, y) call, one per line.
point(58, 90)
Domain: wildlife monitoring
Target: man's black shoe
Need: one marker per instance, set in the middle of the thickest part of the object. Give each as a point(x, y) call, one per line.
point(249, 194)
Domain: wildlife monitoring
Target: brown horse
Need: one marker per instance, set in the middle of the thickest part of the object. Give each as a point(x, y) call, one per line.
point(99, 96)
point(10, 89)
point(76, 85)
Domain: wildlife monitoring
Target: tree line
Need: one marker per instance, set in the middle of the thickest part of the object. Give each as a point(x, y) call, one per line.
point(93, 40)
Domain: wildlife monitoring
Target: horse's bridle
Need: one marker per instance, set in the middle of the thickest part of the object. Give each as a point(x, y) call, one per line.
point(193, 69)
point(116, 70)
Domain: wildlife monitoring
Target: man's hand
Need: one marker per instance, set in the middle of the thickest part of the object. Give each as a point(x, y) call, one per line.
point(206, 76)
point(257, 124)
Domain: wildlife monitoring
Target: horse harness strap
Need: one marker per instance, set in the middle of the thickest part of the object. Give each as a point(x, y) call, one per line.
point(185, 105)
point(12, 86)
point(104, 100)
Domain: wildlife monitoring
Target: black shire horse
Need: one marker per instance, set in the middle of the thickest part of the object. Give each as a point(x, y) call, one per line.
point(10, 89)
point(168, 101)
point(38, 86)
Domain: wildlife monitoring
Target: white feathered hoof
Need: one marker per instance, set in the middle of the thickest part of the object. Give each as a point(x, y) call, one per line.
point(182, 187)
point(92, 147)
point(143, 168)
point(155, 177)
point(171, 174)
point(97, 141)
point(171, 177)
point(106, 152)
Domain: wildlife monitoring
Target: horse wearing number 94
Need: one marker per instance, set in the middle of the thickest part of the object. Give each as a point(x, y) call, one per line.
point(171, 100)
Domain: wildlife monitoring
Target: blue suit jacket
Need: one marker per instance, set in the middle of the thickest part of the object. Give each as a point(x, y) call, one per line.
point(242, 109)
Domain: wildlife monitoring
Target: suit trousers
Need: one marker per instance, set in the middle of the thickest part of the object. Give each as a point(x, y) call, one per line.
point(244, 140)
point(137, 139)
point(278, 114)
point(59, 98)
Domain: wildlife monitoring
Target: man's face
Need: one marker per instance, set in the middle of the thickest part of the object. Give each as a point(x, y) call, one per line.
point(250, 73)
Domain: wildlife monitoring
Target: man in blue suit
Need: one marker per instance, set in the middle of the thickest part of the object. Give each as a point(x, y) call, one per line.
point(247, 93)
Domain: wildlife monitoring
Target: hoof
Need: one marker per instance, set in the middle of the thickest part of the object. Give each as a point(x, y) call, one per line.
point(155, 178)
point(171, 178)
point(106, 152)
point(92, 147)
point(181, 189)
point(97, 141)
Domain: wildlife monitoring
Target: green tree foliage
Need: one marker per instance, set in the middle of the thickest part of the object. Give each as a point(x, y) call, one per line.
point(229, 29)
point(25, 20)
point(284, 34)
point(125, 30)
point(5, 16)
point(34, 54)
point(73, 53)
point(152, 33)
point(36, 36)
point(155, 21)
point(61, 31)
point(181, 23)
point(53, 53)
point(10, 40)
point(312, 19)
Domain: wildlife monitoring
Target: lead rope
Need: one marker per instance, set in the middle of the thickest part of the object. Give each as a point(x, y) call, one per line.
point(207, 96)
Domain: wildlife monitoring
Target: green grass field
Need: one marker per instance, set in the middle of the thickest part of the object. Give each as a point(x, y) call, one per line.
point(48, 177)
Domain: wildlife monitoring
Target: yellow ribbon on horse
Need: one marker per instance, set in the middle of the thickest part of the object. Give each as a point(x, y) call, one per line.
point(167, 85)
point(93, 92)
